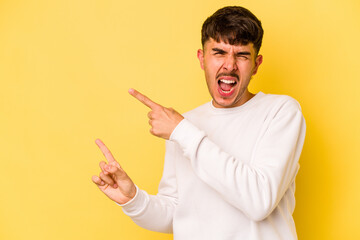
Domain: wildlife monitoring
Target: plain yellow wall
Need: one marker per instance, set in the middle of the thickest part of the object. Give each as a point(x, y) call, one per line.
point(66, 65)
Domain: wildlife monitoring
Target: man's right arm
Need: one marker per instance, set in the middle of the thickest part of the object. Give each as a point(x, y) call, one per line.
point(153, 212)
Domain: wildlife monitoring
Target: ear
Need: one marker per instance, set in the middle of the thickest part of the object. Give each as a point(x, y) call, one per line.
point(200, 56)
point(258, 61)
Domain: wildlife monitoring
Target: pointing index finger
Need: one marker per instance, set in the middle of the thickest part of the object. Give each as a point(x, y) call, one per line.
point(105, 151)
point(144, 99)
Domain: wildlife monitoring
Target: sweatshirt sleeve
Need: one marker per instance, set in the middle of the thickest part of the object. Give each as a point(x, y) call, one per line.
point(256, 187)
point(155, 212)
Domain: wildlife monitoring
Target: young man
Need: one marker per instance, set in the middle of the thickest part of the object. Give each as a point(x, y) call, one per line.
point(230, 164)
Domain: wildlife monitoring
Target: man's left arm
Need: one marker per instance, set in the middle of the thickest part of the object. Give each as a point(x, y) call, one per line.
point(257, 187)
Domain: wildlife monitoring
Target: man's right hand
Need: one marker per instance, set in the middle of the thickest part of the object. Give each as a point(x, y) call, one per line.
point(113, 180)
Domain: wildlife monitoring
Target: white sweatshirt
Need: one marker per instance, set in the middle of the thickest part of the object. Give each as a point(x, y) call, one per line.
point(229, 173)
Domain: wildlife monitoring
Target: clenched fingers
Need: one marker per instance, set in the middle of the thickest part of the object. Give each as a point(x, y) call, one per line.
point(102, 165)
point(116, 173)
point(107, 179)
point(97, 181)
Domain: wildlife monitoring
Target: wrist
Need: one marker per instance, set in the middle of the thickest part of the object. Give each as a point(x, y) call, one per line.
point(130, 197)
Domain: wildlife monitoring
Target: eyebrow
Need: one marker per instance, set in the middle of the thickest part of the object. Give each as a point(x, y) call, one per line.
point(243, 53)
point(218, 50)
point(238, 53)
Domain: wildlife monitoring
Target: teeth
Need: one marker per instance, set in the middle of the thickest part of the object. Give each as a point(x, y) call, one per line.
point(225, 91)
point(227, 81)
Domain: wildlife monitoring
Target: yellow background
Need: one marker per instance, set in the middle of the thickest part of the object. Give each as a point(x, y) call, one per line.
point(66, 65)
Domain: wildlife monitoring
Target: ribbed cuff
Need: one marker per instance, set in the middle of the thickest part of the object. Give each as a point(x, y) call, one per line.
point(137, 204)
point(131, 200)
point(186, 135)
point(176, 129)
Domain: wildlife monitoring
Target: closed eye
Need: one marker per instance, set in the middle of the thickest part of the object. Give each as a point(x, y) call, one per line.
point(218, 51)
point(243, 55)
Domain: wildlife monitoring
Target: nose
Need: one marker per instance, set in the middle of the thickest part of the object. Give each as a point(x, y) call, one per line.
point(230, 63)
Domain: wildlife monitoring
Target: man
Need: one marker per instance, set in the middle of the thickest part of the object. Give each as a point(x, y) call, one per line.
point(230, 164)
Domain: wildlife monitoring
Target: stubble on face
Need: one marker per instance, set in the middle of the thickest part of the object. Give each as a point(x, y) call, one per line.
point(228, 70)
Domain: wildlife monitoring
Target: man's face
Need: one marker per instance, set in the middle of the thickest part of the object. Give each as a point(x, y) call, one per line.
point(228, 70)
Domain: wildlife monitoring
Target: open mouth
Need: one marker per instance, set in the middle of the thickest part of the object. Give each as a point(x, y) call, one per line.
point(226, 86)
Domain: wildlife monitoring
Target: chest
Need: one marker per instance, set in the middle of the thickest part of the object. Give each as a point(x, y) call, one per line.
point(235, 134)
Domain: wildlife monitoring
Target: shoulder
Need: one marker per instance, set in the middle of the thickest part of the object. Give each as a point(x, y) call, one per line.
point(201, 110)
point(279, 102)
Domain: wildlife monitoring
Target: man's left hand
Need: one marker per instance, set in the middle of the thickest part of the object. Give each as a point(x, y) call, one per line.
point(162, 120)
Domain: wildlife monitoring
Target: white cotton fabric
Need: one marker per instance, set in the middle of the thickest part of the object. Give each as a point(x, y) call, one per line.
point(229, 173)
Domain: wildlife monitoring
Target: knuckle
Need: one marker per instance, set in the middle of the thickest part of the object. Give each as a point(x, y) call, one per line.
point(109, 168)
point(95, 179)
point(150, 114)
point(155, 131)
point(167, 111)
point(115, 164)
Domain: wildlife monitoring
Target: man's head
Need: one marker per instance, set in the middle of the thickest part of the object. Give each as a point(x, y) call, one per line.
point(231, 40)
point(234, 25)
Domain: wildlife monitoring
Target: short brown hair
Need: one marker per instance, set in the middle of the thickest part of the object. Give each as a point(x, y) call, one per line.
point(233, 25)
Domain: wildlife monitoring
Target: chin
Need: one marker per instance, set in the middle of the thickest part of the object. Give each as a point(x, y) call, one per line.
point(224, 103)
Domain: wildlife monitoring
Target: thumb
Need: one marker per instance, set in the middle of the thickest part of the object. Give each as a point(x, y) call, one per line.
point(117, 172)
point(123, 181)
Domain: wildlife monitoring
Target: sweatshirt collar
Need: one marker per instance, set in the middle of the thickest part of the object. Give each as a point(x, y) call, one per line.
point(242, 107)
